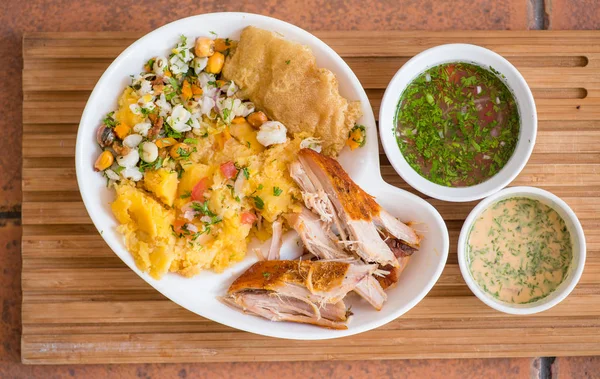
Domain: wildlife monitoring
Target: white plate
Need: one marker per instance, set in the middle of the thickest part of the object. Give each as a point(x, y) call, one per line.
point(199, 294)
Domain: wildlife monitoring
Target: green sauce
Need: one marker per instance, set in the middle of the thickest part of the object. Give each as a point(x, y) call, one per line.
point(457, 124)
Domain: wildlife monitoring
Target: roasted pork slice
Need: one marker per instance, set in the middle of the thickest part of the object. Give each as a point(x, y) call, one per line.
point(316, 236)
point(315, 198)
point(399, 248)
point(275, 307)
point(276, 241)
point(308, 291)
point(402, 252)
point(361, 216)
point(370, 289)
point(393, 273)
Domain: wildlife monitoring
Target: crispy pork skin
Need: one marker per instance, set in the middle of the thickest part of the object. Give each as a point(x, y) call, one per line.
point(300, 291)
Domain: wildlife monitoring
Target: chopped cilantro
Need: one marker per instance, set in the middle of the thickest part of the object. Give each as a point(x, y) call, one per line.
point(246, 172)
point(151, 165)
point(174, 83)
point(191, 141)
point(171, 132)
point(267, 275)
point(358, 134)
point(288, 61)
point(258, 202)
point(109, 120)
point(203, 208)
point(260, 186)
point(183, 153)
point(150, 63)
point(226, 113)
point(277, 191)
point(185, 195)
point(213, 33)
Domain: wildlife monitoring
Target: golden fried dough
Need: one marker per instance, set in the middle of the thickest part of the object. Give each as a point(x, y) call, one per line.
point(283, 80)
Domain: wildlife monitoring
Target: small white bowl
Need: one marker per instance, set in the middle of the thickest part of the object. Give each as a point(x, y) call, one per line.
point(469, 54)
point(577, 238)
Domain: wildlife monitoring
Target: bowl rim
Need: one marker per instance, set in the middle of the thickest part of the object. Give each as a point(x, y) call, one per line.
point(435, 56)
point(371, 181)
point(561, 294)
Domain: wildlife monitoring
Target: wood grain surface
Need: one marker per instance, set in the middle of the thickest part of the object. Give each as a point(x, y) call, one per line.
point(81, 304)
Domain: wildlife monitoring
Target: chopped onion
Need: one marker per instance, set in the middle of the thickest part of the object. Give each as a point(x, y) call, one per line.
point(208, 103)
point(199, 64)
point(135, 109)
point(191, 227)
point(231, 89)
point(487, 157)
point(145, 88)
point(205, 219)
point(132, 173)
point(238, 186)
point(478, 90)
point(497, 100)
point(189, 215)
point(427, 77)
point(311, 143)
point(248, 108)
point(441, 134)
point(238, 108)
point(111, 174)
point(204, 78)
point(142, 128)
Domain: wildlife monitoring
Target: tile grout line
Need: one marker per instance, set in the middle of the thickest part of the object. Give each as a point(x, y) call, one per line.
point(539, 13)
point(538, 19)
point(10, 215)
point(546, 364)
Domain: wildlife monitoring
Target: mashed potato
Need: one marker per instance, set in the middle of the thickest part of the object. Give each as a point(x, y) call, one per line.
point(266, 190)
point(193, 184)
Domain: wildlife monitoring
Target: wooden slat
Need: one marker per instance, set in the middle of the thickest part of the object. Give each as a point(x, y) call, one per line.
point(81, 304)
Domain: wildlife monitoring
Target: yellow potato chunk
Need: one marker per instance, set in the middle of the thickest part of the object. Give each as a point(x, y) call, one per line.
point(246, 135)
point(146, 228)
point(124, 115)
point(134, 206)
point(163, 184)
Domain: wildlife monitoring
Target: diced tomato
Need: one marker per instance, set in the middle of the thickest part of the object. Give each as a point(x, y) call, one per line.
point(178, 226)
point(452, 74)
point(248, 218)
point(199, 189)
point(487, 114)
point(228, 170)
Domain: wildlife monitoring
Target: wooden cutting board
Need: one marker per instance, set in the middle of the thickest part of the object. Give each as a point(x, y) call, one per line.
point(81, 304)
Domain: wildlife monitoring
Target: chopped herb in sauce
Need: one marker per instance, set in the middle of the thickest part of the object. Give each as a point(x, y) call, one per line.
point(519, 250)
point(457, 124)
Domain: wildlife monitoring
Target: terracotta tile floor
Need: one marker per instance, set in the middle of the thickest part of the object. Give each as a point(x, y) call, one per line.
point(19, 16)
